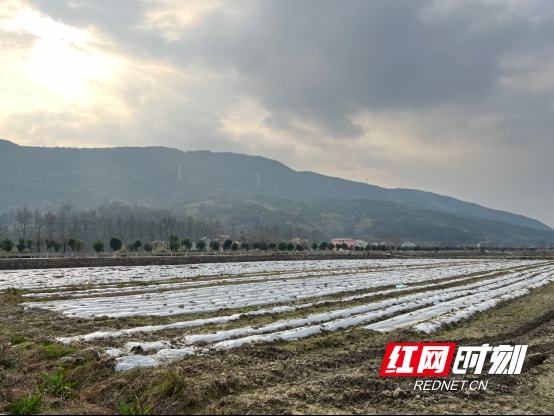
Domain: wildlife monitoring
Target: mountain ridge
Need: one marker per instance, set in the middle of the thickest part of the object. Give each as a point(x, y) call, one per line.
point(160, 176)
point(361, 218)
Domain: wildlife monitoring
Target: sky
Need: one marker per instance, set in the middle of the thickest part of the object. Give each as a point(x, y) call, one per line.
point(454, 97)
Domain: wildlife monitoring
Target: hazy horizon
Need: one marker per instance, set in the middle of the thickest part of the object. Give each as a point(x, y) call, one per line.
point(455, 98)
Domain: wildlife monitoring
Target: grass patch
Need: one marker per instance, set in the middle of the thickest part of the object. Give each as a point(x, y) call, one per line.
point(56, 350)
point(27, 406)
point(171, 385)
point(136, 408)
point(18, 339)
point(57, 385)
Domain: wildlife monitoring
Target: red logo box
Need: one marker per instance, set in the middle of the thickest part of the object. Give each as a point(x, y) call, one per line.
point(417, 359)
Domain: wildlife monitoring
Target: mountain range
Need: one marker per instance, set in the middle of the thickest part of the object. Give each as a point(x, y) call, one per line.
point(244, 192)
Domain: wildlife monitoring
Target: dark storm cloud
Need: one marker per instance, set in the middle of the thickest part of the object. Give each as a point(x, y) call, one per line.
point(323, 61)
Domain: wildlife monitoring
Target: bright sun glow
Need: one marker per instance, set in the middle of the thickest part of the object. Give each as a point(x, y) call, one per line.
point(65, 69)
point(63, 60)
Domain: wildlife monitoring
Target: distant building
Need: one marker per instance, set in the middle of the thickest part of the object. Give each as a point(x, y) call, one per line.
point(221, 238)
point(297, 241)
point(408, 244)
point(350, 242)
point(159, 245)
point(381, 244)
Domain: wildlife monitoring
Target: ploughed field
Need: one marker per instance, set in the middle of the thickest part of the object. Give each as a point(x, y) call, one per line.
point(152, 316)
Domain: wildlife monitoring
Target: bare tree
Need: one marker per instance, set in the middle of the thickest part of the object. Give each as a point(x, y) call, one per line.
point(23, 218)
point(64, 214)
point(50, 223)
point(38, 223)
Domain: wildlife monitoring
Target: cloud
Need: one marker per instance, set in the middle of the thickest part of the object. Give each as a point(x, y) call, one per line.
point(454, 97)
point(324, 61)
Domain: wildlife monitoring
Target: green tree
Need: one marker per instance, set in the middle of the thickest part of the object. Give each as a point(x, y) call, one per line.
point(116, 244)
point(290, 246)
point(72, 243)
point(187, 244)
point(214, 245)
point(78, 246)
point(227, 244)
point(174, 243)
point(272, 246)
point(21, 245)
point(314, 246)
point(148, 247)
point(52, 245)
point(299, 247)
point(137, 245)
point(234, 246)
point(324, 245)
point(201, 245)
point(245, 246)
point(98, 246)
point(6, 245)
point(282, 246)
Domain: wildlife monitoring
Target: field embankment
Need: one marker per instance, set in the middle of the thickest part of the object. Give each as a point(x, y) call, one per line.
point(21, 263)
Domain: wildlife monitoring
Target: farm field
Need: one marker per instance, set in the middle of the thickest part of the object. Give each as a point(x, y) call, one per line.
point(296, 336)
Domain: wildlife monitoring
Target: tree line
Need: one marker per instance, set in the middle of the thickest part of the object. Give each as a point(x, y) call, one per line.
point(67, 229)
point(175, 244)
